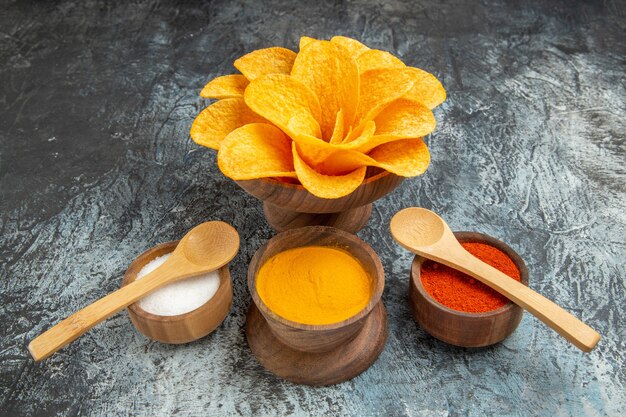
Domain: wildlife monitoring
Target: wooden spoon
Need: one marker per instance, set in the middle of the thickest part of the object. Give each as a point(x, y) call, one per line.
point(203, 249)
point(423, 232)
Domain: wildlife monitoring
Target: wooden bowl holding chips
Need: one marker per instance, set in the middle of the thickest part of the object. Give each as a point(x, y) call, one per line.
point(289, 206)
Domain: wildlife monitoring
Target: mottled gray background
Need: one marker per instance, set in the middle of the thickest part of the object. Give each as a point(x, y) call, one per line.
point(96, 166)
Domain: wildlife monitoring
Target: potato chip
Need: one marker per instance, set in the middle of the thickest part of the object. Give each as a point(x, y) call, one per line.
point(368, 140)
point(265, 61)
point(226, 86)
point(334, 78)
point(406, 158)
point(313, 150)
point(426, 88)
point(305, 40)
point(326, 186)
point(303, 123)
point(333, 159)
point(285, 102)
point(375, 59)
point(367, 143)
point(343, 161)
point(256, 150)
point(219, 119)
point(320, 117)
point(363, 131)
point(405, 118)
point(329, 159)
point(337, 136)
point(354, 47)
point(379, 87)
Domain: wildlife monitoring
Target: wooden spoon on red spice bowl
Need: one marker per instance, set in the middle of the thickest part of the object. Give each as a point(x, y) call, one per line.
point(425, 233)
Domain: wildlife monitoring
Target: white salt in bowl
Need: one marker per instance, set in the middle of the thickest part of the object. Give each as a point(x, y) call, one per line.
point(183, 311)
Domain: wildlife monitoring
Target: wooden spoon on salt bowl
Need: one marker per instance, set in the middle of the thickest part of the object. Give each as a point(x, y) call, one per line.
point(203, 249)
point(423, 232)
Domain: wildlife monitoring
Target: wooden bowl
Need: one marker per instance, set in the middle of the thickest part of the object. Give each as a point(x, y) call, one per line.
point(289, 206)
point(457, 327)
point(317, 354)
point(182, 328)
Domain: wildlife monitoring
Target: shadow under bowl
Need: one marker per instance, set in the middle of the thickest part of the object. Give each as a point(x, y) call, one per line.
point(462, 328)
point(181, 328)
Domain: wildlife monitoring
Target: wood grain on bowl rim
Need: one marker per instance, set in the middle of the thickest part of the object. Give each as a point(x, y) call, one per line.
point(296, 198)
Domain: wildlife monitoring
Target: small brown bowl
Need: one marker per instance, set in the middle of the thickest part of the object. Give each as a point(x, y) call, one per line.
point(182, 328)
point(461, 328)
point(317, 354)
point(289, 206)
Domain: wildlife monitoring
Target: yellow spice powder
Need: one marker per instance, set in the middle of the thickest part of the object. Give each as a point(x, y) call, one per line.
point(314, 285)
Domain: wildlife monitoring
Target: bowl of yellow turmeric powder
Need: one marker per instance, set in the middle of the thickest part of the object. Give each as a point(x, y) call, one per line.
point(317, 316)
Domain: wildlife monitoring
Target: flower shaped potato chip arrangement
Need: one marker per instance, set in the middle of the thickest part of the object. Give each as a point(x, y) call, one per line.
point(320, 117)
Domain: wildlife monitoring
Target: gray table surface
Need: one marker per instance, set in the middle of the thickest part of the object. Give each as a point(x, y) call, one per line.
point(96, 165)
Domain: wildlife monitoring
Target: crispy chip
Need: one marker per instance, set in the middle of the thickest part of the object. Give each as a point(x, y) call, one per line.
point(312, 149)
point(303, 123)
point(219, 119)
point(367, 143)
point(367, 140)
point(379, 87)
point(426, 88)
point(326, 186)
point(226, 86)
point(305, 40)
point(406, 158)
point(337, 136)
point(285, 102)
point(343, 161)
point(265, 61)
point(375, 59)
point(354, 47)
point(328, 158)
point(256, 150)
point(334, 78)
point(320, 117)
point(405, 118)
point(363, 131)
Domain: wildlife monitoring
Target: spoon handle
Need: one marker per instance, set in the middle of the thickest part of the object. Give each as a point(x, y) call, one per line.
point(568, 326)
point(80, 322)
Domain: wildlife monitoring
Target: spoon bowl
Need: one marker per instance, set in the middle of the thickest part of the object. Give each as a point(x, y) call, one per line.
point(209, 242)
point(415, 227)
point(203, 249)
point(425, 233)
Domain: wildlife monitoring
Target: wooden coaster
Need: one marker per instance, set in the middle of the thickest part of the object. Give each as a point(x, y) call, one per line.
point(318, 369)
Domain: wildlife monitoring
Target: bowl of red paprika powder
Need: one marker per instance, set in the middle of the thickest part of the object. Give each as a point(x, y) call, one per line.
point(458, 309)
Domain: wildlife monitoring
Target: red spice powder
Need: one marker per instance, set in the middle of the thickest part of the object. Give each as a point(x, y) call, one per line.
point(459, 291)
